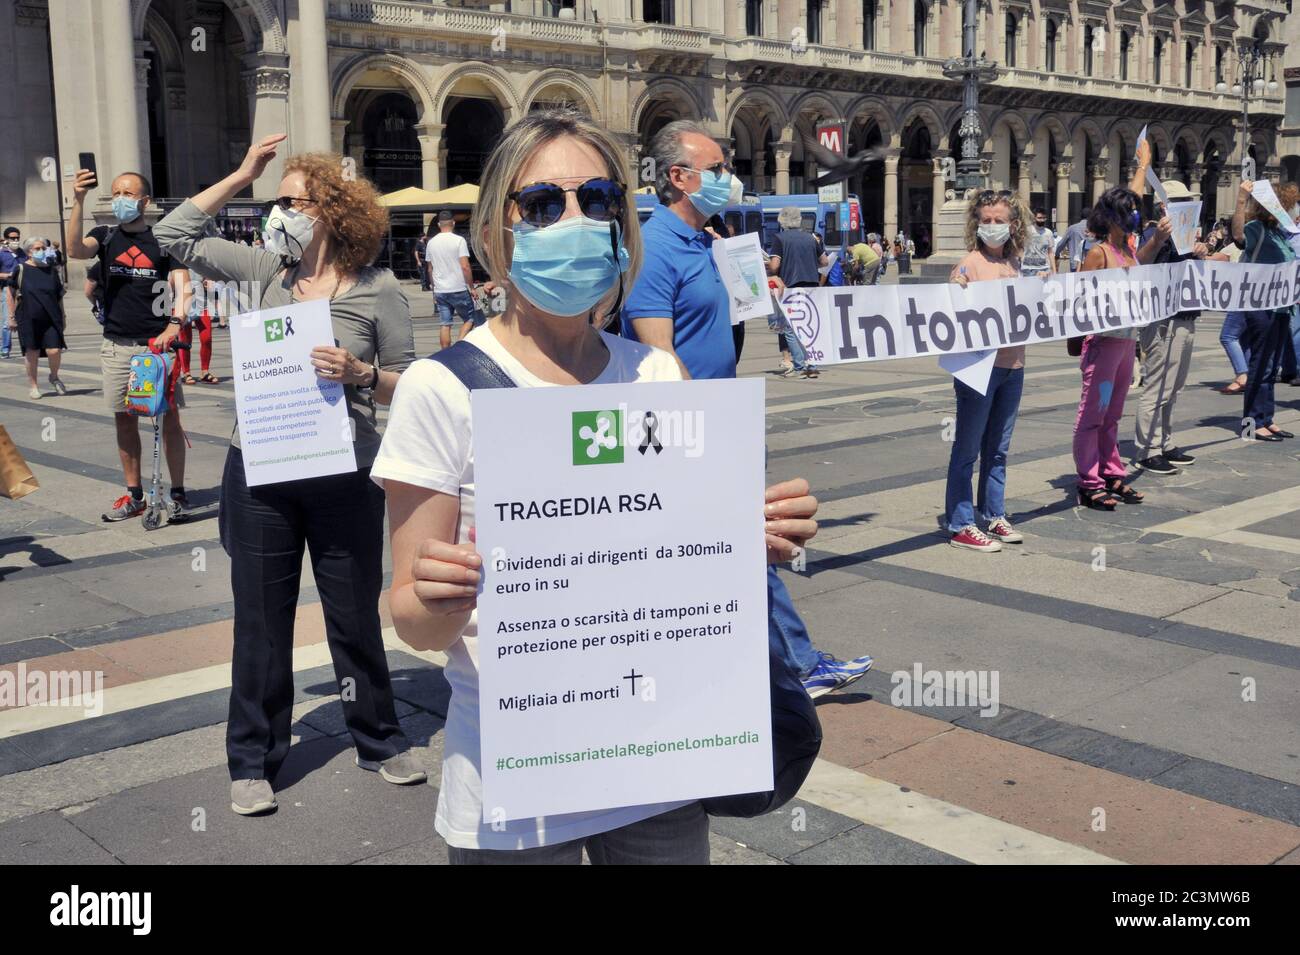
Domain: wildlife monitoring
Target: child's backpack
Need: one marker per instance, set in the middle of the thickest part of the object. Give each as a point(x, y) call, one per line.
point(149, 387)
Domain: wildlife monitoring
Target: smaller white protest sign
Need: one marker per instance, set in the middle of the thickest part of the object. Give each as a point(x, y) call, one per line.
point(1266, 197)
point(1185, 217)
point(292, 424)
point(740, 263)
point(1152, 179)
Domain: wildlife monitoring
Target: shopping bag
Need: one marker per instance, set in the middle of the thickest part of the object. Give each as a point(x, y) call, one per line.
point(16, 478)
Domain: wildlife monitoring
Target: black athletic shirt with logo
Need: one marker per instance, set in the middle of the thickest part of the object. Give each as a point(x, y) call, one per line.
point(133, 265)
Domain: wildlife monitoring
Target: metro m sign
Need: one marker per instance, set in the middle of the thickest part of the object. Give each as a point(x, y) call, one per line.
point(831, 136)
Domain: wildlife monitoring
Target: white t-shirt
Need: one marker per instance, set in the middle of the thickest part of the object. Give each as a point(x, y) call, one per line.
point(443, 252)
point(427, 443)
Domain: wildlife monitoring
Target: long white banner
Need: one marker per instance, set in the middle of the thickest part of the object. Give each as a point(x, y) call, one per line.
point(877, 323)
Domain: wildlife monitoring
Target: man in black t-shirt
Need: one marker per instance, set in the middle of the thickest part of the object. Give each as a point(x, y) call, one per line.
point(145, 295)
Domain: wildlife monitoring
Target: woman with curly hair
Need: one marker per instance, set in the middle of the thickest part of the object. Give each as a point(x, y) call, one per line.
point(997, 229)
point(321, 236)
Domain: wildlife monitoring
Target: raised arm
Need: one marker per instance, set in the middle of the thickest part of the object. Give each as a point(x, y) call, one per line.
point(79, 246)
point(184, 232)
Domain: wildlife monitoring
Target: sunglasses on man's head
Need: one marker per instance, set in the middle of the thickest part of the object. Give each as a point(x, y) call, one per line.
point(989, 196)
point(543, 203)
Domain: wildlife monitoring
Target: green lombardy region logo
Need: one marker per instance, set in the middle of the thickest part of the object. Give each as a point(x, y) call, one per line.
point(597, 437)
point(274, 329)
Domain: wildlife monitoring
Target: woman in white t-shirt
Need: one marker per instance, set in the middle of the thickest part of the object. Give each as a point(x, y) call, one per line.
point(551, 188)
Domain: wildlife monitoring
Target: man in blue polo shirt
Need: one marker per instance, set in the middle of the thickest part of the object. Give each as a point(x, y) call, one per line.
point(680, 304)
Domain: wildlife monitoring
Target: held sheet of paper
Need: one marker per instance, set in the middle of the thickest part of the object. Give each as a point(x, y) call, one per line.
point(292, 424)
point(622, 617)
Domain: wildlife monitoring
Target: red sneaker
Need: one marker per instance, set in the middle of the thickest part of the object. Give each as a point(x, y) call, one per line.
point(972, 538)
point(1000, 529)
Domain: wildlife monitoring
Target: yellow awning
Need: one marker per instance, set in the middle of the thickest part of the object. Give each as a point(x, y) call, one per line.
point(412, 197)
point(466, 194)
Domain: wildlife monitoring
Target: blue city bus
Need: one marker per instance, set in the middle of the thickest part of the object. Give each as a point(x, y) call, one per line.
point(838, 223)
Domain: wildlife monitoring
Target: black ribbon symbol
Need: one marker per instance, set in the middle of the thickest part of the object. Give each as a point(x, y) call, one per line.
point(648, 438)
point(288, 326)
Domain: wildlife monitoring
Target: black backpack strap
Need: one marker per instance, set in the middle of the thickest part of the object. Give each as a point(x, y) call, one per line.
point(473, 367)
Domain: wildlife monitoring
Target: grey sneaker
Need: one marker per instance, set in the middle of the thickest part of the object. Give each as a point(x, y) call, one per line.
point(124, 508)
point(401, 769)
point(251, 797)
point(59, 386)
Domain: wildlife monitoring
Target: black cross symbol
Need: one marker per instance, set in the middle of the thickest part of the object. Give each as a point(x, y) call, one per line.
point(634, 676)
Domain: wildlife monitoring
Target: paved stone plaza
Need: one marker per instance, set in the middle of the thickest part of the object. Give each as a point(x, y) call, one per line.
point(1148, 709)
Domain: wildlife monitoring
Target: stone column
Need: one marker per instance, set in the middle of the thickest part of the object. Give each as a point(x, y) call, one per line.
point(338, 135)
point(267, 87)
point(311, 73)
point(782, 152)
point(430, 136)
point(121, 79)
point(1099, 187)
point(141, 100)
point(891, 192)
point(936, 196)
point(759, 161)
point(1062, 194)
point(1025, 186)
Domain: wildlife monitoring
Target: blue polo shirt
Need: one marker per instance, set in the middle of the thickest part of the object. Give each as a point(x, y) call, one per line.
point(680, 280)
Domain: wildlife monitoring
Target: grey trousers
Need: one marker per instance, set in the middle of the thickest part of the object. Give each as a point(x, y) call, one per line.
point(677, 837)
point(1166, 360)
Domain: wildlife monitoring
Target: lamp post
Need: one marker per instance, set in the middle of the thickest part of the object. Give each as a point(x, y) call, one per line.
point(971, 70)
point(1250, 83)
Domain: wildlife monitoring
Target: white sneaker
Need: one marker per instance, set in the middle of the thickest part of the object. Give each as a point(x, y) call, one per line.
point(34, 393)
point(59, 386)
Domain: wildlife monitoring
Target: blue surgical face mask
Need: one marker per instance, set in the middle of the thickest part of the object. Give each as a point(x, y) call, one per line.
point(126, 209)
point(566, 268)
point(713, 194)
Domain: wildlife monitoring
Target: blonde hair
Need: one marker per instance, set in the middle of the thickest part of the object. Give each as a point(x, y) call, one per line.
point(349, 207)
point(1020, 219)
point(490, 232)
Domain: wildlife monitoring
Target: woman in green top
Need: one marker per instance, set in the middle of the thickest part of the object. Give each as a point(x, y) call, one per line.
point(1262, 240)
point(322, 234)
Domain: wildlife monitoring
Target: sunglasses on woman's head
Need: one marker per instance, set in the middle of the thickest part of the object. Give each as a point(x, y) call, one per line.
point(988, 196)
point(543, 203)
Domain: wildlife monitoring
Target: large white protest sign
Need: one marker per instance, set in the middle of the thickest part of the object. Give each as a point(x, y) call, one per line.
point(877, 323)
point(622, 617)
point(292, 424)
point(1263, 193)
point(740, 263)
point(1185, 218)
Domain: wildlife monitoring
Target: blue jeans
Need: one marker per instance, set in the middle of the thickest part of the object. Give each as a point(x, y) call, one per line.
point(1290, 349)
point(1234, 324)
point(984, 426)
point(462, 303)
point(6, 335)
point(787, 637)
point(1265, 333)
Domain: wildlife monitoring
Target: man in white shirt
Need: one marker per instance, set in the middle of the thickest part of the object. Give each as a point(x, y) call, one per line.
point(1039, 256)
point(447, 256)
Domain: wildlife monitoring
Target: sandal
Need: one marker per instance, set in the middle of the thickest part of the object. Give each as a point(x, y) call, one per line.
point(1125, 492)
point(1098, 499)
point(210, 379)
point(1232, 388)
point(189, 380)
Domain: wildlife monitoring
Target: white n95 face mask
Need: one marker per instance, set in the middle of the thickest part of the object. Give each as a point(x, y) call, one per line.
point(288, 233)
